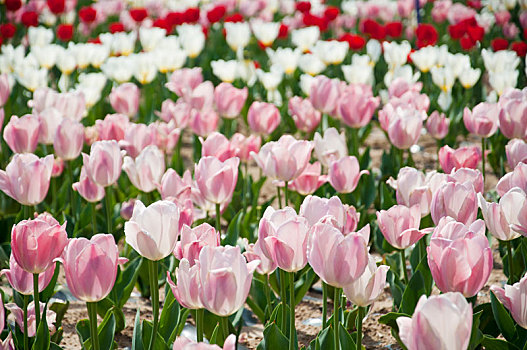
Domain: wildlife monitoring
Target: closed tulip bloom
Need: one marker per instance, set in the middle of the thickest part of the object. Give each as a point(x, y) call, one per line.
point(285, 159)
point(203, 122)
point(146, 170)
point(306, 117)
point(178, 112)
point(457, 200)
point(188, 285)
point(229, 100)
point(344, 174)
point(459, 256)
point(283, 235)
point(310, 180)
point(136, 138)
point(90, 266)
point(49, 119)
point(337, 259)
point(331, 147)
point(174, 187)
point(315, 209)
point(513, 114)
point(516, 178)
point(112, 127)
point(36, 243)
point(193, 240)
point(439, 322)
point(464, 175)
point(88, 189)
point(125, 99)
point(512, 298)
point(217, 145)
point(216, 179)
point(411, 188)
point(500, 216)
point(405, 127)
point(245, 145)
point(69, 139)
point(516, 151)
point(21, 134)
point(165, 136)
point(369, 286)
point(22, 281)
point(437, 125)
point(18, 313)
point(183, 343)
point(153, 231)
point(183, 81)
point(263, 117)
point(127, 209)
point(515, 209)
point(26, 178)
point(482, 121)
point(463, 157)
point(104, 163)
point(325, 93)
point(400, 225)
point(201, 97)
point(254, 252)
point(5, 89)
point(356, 105)
point(225, 279)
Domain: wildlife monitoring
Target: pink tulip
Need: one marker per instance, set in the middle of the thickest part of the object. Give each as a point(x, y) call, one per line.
point(216, 179)
point(356, 105)
point(515, 209)
point(284, 159)
point(49, 121)
point(146, 170)
point(112, 127)
point(217, 145)
point(325, 93)
point(463, 157)
point(69, 139)
point(457, 200)
point(405, 127)
point(174, 187)
point(69, 104)
point(179, 112)
point(136, 138)
point(201, 97)
point(512, 298)
point(89, 190)
point(5, 89)
point(229, 100)
point(400, 225)
point(7, 343)
point(513, 114)
point(125, 99)
point(183, 343)
point(183, 81)
point(35, 243)
point(437, 125)
point(18, 313)
point(153, 231)
point(58, 167)
point(26, 178)
point(263, 117)
point(337, 259)
point(439, 322)
point(483, 120)
point(165, 136)
point(466, 175)
point(369, 286)
point(459, 256)
point(21, 134)
point(440, 10)
point(283, 236)
point(90, 266)
point(412, 188)
point(310, 180)
point(316, 209)
point(225, 279)
point(502, 217)
point(22, 281)
point(188, 285)
point(516, 178)
point(203, 122)
point(103, 165)
point(344, 174)
point(400, 86)
point(127, 209)
point(306, 117)
point(516, 151)
point(352, 219)
point(245, 145)
point(193, 240)
point(331, 147)
point(254, 252)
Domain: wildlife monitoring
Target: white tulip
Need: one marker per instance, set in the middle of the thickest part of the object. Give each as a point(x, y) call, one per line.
point(305, 38)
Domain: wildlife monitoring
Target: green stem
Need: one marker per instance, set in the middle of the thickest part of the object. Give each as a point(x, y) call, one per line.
point(283, 295)
point(511, 263)
point(92, 315)
point(279, 197)
point(200, 314)
point(403, 265)
point(292, 311)
point(483, 149)
point(267, 298)
point(225, 326)
point(26, 338)
point(286, 195)
point(70, 190)
point(94, 219)
point(245, 187)
point(360, 316)
point(154, 290)
point(422, 247)
point(218, 219)
point(108, 209)
point(36, 299)
point(336, 312)
point(27, 212)
point(324, 305)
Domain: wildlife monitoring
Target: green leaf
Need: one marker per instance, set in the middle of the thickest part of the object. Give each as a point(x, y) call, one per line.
point(54, 346)
point(273, 339)
point(126, 281)
point(159, 343)
point(49, 291)
point(137, 340)
point(412, 293)
point(390, 319)
point(476, 335)
point(324, 340)
point(83, 331)
point(215, 333)
point(346, 342)
point(233, 230)
point(487, 323)
point(497, 344)
point(503, 319)
point(303, 284)
point(170, 318)
point(42, 339)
